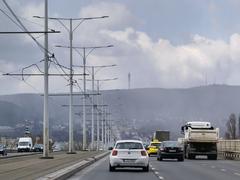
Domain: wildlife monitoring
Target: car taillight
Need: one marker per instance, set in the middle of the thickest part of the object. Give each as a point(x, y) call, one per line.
point(143, 153)
point(114, 152)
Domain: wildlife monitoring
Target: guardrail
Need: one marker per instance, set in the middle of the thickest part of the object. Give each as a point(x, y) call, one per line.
point(229, 149)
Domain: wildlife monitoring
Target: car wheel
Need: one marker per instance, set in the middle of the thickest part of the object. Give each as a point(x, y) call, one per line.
point(146, 169)
point(111, 168)
point(181, 159)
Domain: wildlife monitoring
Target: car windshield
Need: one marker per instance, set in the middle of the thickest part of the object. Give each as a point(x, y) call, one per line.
point(23, 143)
point(129, 145)
point(155, 144)
point(171, 144)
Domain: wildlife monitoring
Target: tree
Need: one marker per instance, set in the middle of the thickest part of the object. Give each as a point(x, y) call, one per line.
point(231, 127)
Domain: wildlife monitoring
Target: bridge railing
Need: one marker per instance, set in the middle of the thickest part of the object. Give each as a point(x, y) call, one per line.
point(229, 149)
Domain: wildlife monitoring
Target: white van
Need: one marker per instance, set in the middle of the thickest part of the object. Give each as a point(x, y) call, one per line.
point(25, 144)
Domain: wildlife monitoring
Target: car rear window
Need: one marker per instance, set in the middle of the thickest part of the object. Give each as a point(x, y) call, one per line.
point(155, 144)
point(129, 145)
point(171, 143)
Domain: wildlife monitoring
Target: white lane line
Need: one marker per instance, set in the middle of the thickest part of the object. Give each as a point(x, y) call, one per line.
point(156, 172)
point(223, 170)
point(213, 167)
point(153, 169)
point(237, 174)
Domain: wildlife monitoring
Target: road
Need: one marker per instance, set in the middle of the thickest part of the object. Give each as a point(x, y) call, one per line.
point(167, 169)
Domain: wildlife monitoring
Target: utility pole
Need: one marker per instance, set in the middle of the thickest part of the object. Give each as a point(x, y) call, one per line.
point(105, 126)
point(129, 80)
point(84, 99)
point(71, 30)
point(92, 133)
point(97, 118)
point(102, 116)
point(46, 113)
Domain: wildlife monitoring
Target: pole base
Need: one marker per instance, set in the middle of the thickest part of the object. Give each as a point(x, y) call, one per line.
point(71, 152)
point(49, 157)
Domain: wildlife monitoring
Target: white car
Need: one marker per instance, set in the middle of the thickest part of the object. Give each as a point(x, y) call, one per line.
point(129, 153)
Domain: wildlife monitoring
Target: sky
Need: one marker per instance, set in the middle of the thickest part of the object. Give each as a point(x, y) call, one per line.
point(162, 43)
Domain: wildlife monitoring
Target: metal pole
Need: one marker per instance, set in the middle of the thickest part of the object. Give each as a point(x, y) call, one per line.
point(45, 108)
point(102, 122)
point(97, 118)
point(92, 134)
point(84, 99)
point(105, 126)
point(70, 146)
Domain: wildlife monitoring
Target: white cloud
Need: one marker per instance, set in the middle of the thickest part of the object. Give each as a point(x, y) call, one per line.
point(152, 63)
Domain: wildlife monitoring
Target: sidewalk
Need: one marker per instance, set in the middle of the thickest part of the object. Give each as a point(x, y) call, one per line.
point(32, 167)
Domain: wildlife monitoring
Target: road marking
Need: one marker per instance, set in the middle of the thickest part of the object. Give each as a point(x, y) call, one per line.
point(238, 174)
point(224, 170)
point(213, 167)
point(153, 169)
point(160, 177)
point(156, 172)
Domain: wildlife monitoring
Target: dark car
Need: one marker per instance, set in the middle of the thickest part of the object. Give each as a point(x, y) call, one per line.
point(3, 150)
point(38, 148)
point(170, 150)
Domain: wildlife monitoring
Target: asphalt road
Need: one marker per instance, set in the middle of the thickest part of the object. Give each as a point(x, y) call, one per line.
point(167, 169)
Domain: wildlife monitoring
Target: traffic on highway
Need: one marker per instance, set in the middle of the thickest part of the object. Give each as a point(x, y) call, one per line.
point(119, 89)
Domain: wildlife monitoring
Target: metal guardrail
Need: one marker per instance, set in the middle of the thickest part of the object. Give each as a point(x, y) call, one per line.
point(229, 149)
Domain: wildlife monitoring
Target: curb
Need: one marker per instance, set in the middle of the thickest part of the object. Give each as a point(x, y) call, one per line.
point(73, 169)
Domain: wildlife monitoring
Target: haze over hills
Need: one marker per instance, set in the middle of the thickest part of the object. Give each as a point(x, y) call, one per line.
point(145, 110)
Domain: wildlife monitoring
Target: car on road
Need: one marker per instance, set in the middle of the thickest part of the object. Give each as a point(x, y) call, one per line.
point(3, 150)
point(170, 150)
point(129, 153)
point(152, 149)
point(38, 148)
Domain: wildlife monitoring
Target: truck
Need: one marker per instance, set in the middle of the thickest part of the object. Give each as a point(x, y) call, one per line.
point(200, 138)
point(161, 135)
point(25, 144)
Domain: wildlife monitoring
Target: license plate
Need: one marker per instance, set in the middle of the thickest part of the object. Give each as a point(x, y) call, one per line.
point(172, 150)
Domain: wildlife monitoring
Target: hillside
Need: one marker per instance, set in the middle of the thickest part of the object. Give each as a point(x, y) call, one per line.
point(144, 109)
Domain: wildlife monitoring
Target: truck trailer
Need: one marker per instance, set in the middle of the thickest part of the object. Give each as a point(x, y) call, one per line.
point(200, 138)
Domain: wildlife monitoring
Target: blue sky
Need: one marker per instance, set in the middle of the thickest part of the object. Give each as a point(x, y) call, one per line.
point(163, 43)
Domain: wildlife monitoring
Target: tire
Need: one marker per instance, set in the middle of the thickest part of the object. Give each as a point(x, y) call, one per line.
point(181, 159)
point(190, 156)
point(158, 158)
point(146, 169)
point(212, 157)
point(111, 168)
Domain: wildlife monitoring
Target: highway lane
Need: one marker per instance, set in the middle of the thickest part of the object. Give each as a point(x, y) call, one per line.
point(99, 171)
point(167, 169)
point(196, 169)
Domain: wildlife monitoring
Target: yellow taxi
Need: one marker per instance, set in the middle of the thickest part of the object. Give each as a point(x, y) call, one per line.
point(153, 147)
